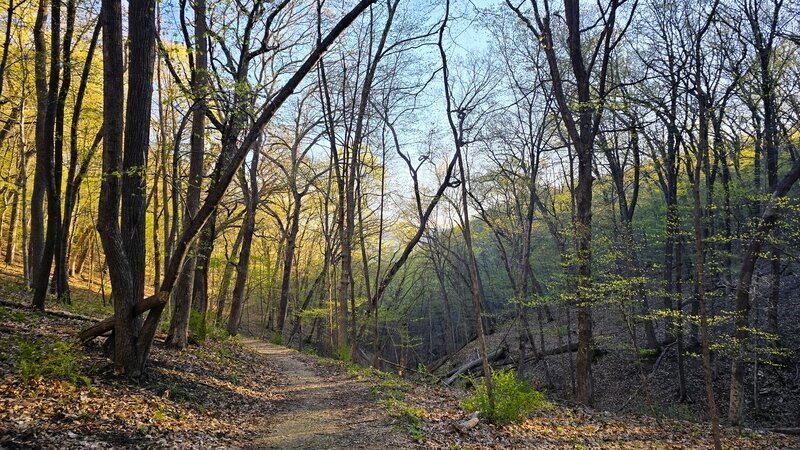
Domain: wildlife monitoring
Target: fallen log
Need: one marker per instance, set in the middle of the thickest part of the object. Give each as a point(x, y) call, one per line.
point(493, 356)
point(791, 431)
point(106, 325)
point(52, 312)
point(436, 365)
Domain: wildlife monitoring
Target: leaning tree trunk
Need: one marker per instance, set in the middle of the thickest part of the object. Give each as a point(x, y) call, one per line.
point(742, 322)
point(112, 19)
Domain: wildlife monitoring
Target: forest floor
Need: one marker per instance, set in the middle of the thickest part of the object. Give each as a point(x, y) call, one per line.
point(321, 408)
point(234, 393)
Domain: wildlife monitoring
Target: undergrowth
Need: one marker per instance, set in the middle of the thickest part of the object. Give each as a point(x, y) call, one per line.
point(513, 399)
point(391, 393)
point(58, 361)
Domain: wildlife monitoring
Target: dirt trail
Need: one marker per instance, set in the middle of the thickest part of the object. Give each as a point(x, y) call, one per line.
point(323, 410)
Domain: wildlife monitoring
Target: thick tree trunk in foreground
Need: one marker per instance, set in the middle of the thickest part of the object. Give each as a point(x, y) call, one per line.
point(109, 196)
point(124, 245)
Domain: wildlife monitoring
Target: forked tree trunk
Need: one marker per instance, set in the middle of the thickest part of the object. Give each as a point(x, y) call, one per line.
point(36, 241)
point(130, 356)
point(51, 172)
point(75, 174)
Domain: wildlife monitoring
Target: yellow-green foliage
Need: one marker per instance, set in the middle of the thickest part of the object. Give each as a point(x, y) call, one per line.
point(58, 361)
point(513, 399)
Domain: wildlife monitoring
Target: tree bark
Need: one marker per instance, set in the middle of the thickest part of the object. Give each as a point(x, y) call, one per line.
point(768, 220)
point(74, 175)
point(50, 171)
point(243, 265)
point(112, 73)
point(36, 241)
point(227, 274)
point(178, 336)
point(291, 239)
point(61, 275)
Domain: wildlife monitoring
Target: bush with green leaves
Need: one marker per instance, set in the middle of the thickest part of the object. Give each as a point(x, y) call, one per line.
point(276, 337)
point(38, 361)
point(513, 399)
point(197, 327)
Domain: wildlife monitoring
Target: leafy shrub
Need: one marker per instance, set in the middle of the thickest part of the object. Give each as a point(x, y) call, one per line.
point(276, 337)
point(679, 411)
point(197, 326)
point(217, 332)
point(39, 361)
point(343, 354)
point(513, 398)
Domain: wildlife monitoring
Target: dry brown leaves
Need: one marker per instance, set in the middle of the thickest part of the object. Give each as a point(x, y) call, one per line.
point(221, 395)
point(572, 427)
point(213, 396)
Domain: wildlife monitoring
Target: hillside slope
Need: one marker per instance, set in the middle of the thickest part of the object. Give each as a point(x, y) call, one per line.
point(232, 393)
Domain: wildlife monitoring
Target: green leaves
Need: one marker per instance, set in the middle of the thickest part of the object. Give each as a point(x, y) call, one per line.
point(40, 361)
point(513, 399)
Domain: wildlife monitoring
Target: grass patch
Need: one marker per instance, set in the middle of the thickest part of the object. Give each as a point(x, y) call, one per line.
point(197, 327)
point(409, 415)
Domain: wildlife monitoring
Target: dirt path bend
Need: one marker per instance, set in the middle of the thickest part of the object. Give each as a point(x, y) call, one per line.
point(323, 410)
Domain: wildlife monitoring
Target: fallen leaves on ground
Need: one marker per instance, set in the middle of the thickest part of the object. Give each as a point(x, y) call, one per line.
point(222, 395)
point(216, 395)
point(572, 427)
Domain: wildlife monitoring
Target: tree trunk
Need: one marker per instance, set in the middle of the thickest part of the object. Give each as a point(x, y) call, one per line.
point(74, 175)
point(227, 274)
point(36, 241)
point(294, 227)
point(178, 336)
point(50, 171)
point(61, 275)
point(699, 282)
point(742, 322)
point(237, 302)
